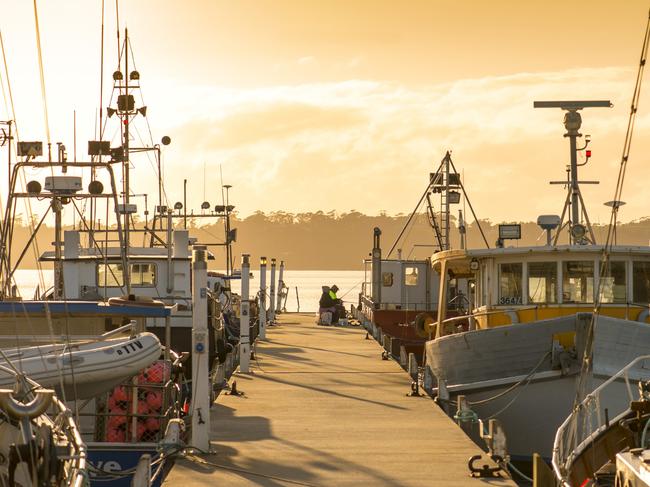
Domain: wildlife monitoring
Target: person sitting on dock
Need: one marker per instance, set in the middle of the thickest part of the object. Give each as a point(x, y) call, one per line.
point(338, 303)
point(328, 304)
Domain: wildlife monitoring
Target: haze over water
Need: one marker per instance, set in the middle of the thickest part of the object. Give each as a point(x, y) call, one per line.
point(309, 285)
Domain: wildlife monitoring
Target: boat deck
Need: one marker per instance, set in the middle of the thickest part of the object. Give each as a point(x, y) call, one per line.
point(321, 408)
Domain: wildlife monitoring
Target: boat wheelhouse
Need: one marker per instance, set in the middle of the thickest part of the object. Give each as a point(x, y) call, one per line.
point(525, 284)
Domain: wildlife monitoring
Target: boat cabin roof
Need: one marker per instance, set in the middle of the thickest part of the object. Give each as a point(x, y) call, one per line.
point(135, 253)
point(458, 261)
point(83, 308)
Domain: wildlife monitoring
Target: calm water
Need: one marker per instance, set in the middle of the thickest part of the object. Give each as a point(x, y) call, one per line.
point(308, 283)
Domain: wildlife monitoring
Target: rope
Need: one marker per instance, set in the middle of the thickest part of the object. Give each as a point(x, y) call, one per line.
point(627, 144)
point(520, 473)
point(42, 75)
point(514, 386)
point(6, 237)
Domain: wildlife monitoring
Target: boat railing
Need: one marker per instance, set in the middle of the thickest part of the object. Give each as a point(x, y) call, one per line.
point(417, 306)
point(78, 454)
point(593, 416)
point(76, 458)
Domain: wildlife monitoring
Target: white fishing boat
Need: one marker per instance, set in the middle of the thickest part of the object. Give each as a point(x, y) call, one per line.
point(531, 320)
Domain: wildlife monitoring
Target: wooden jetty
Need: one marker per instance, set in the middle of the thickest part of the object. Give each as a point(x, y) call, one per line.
point(320, 408)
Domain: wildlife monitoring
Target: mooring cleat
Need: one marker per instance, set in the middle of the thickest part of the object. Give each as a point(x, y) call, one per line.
point(485, 470)
point(234, 391)
point(415, 390)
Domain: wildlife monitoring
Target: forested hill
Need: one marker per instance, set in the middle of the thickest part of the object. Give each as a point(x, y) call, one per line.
point(339, 241)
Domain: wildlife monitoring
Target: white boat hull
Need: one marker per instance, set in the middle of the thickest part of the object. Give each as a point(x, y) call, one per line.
point(85, 370)
point(483, 364)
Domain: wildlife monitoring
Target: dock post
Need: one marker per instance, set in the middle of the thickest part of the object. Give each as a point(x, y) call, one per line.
point(272, 293)
point(376, 268)
point(200, 362)
point(278, 305)
point(262, 298)
point(244, 317)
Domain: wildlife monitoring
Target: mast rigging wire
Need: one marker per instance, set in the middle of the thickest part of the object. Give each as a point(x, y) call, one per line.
point(42, 74)
point(5, 230)
point(627, 144)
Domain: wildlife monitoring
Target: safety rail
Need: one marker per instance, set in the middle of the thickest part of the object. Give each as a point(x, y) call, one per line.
point(589, 419)
point(370, 304)
point(75, 462)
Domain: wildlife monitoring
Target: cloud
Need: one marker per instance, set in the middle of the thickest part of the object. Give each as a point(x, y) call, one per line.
point(303, 144)
point(307, 61)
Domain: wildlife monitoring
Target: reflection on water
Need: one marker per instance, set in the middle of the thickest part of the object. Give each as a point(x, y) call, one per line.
point(308, 283)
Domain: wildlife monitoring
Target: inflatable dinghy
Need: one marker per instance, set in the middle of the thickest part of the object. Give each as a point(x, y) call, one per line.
point(84, 369)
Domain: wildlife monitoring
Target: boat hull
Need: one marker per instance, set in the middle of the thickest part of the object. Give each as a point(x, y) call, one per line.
point(492, 370)
point(115, 459)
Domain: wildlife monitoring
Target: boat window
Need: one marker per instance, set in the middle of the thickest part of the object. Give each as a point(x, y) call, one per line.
point(387, 279)
point(641, 281)
point(110, 275)
point(411, 276)
point(613, 284)
point(542, 282)
point(510, 276)
point(578, 281)
point(143, 274)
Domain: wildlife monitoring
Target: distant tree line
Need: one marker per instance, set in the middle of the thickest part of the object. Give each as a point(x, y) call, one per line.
point(340, 241)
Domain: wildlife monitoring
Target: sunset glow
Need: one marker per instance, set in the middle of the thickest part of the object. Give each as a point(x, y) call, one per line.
point(348, 104)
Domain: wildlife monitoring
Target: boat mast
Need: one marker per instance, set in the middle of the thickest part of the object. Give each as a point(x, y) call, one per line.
point(572, 123)
point(125, 145)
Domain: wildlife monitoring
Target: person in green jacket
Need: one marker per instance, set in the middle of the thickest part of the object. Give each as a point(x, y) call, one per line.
point(338, 304)
point(332, 293)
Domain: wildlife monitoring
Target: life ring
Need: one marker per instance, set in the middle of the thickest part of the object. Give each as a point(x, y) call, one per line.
point(133, 300)
point(422, 324)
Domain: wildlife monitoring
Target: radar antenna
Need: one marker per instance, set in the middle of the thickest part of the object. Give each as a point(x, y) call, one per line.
point(572, 123)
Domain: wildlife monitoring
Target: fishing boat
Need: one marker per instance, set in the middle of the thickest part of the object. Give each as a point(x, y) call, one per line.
point(126, 390)
point(531, 321)
point(101, 263)
point(400, 296)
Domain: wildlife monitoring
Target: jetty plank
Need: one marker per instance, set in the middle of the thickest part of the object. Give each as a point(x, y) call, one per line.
point(321, 408)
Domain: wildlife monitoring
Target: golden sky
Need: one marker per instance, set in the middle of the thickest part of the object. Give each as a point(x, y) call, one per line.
point(349, 104)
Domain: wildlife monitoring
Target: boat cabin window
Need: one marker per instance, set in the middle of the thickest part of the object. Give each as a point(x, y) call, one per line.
point(510, 279)
point(578, 281)
point(112, 275)
point(641, 280)
point(387, 279)
point(143, 274)
point(411, 276)
point(613, 284)
point(542, 282)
